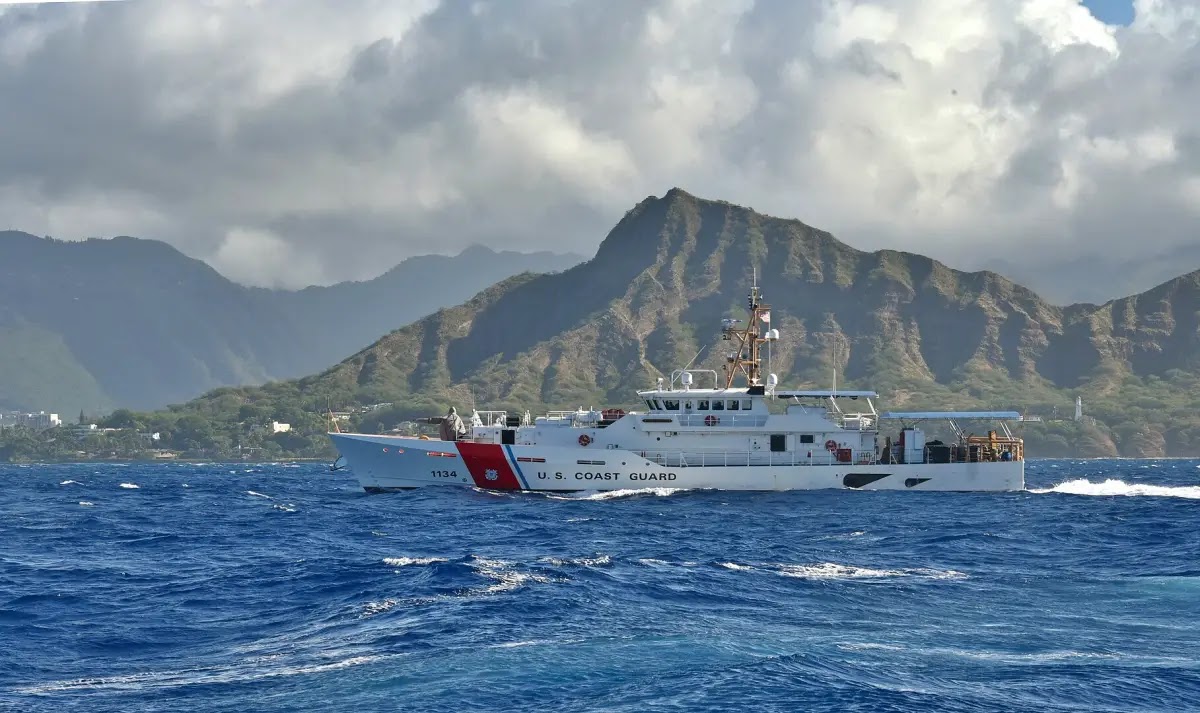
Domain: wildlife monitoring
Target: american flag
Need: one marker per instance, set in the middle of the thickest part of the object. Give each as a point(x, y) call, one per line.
point(765, 316)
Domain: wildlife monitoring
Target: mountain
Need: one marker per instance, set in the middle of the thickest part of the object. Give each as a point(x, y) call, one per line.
point(135, 323)
point(356, 313)
point(923, 334)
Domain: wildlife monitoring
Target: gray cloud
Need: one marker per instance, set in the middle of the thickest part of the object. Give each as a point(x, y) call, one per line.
point(317, 140)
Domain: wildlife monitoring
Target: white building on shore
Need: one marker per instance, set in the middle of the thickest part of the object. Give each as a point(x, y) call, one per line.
point(37, 421)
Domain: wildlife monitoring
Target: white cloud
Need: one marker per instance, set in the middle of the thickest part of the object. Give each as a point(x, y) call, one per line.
point(257, 256)
point(327, 139)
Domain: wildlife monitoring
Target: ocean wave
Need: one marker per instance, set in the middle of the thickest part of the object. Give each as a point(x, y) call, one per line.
point(130, 486)
point(737, 590)
point(69, 482)
point(618, 494)
point(1112, 486)
point(373, 608)
point(151, 680)
point(533, 642)
point(258, 495)
point(833, 570)
point(411, 561)
point(504, 574)
point(599, 561)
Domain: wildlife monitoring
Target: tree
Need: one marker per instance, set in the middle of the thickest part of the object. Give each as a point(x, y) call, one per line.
point(121, 418)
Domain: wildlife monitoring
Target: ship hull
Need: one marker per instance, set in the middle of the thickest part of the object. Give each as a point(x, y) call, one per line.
point(384, 463)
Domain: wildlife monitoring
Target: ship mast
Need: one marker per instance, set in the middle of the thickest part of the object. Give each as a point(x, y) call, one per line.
point(746, 340)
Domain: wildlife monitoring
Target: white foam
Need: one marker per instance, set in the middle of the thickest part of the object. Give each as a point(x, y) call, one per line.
point(69, 482)
point(533, 642)
point(1083, 486)
point(622, 493)
point(130, 486)
point(869, 646)
point(735, 566)
point(411, 561)
point(86, 504)
point(652, 562)
point(373, 608)
point(237, 673)
point(290, 507)
point(832, 570)
point(257, 495)
point(579, 561)
point(505, 577)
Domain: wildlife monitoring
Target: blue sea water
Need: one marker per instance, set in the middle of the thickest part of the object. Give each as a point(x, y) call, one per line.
point(177, 587)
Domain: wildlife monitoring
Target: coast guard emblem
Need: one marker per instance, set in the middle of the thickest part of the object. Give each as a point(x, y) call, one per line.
point(491, 474)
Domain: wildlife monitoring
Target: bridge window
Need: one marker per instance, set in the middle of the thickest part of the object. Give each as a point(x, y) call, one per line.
point(733, 404)
point(718, 405)
point(807, 438)
point(746, 404)
point(702, 405)
point(650, 404)
point(671, 404)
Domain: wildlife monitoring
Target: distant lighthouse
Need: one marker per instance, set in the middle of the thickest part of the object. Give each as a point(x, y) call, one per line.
point(1078, 408)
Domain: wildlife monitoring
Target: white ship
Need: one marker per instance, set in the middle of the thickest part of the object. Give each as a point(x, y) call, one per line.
point(693, 435)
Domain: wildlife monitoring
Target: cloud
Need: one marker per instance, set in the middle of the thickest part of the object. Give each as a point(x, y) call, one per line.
point(254, 257)
point(336, 137)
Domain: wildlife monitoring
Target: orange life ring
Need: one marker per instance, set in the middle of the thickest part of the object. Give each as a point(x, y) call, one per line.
point(831, 445)
point(585, 439)
point(711, 420)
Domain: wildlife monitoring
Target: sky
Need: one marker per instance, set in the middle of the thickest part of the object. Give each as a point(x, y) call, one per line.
point(296, 142)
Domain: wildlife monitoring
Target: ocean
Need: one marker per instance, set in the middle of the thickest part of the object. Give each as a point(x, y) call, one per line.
point(236, 587)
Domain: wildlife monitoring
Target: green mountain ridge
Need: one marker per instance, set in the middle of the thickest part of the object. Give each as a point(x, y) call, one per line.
point(921, 333)
point(127, 322)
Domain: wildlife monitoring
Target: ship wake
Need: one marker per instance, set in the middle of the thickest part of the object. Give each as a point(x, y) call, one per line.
point(1112, 486)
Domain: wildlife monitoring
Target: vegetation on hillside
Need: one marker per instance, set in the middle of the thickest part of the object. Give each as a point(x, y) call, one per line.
point(922, 334)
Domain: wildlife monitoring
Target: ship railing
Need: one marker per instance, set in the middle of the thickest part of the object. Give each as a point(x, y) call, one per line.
point(492, 418)
point(972, 450)
point(703, 458)
point(723, 419)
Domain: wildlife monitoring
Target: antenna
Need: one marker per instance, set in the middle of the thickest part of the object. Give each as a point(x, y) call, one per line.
point(689, 364)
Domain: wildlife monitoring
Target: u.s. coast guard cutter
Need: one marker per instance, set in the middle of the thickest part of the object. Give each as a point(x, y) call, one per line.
point(692, 435)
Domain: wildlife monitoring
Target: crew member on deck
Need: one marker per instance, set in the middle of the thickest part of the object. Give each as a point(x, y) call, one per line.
point(452, 427)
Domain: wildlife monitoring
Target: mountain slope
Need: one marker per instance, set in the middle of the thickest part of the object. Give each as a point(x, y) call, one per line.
point(134, 323)
point(920, 332)
point(358, 312)
point(673, 268)
point(149, 324)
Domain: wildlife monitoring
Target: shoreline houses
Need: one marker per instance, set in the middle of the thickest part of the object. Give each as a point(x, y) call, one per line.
point(37, 421)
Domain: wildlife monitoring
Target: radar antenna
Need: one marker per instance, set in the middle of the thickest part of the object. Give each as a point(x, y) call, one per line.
point(745, 359)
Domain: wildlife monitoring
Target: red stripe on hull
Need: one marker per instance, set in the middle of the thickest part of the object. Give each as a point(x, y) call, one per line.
point(487, 459)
